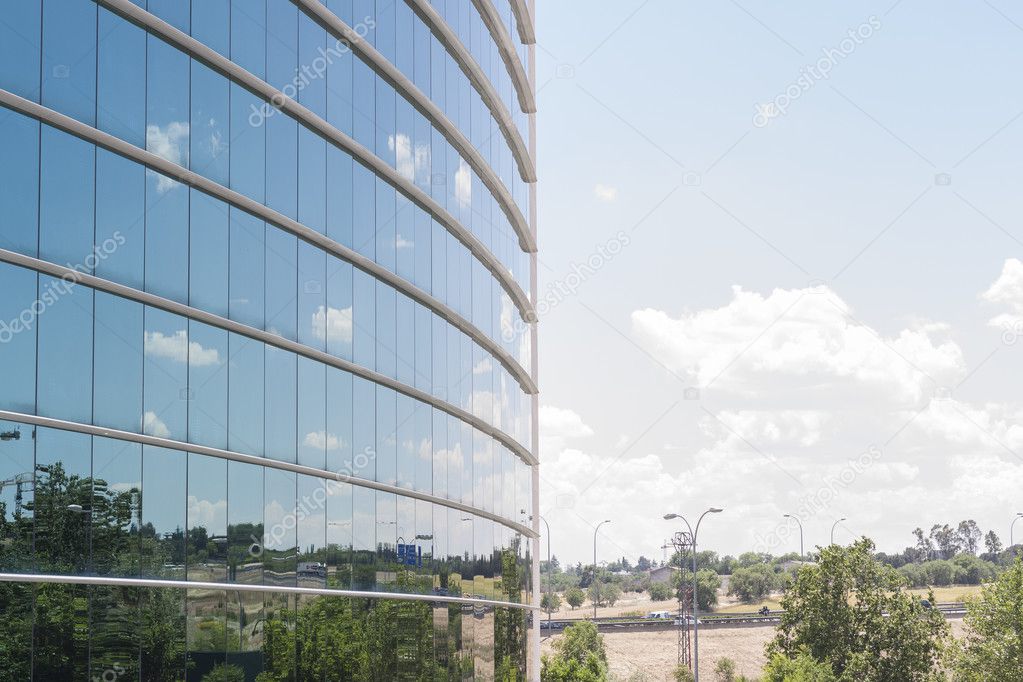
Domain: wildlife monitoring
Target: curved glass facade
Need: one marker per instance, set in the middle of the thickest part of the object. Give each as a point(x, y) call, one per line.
point(272, 425)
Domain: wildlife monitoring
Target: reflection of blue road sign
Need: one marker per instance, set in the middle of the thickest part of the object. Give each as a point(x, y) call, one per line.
point(410, 555)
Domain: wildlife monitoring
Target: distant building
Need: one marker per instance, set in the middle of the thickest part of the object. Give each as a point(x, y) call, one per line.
point(662, 574)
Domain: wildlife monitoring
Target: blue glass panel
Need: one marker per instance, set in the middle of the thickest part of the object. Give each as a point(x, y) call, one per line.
point(174, 12)
point(165, 375)
point(313, 316)
point(121, 87)
point(386, 336)
point(209, 132)
point(69, 58)
point(407, 442)
point(167, 113)
point(386, 436)
point(339, 196)
point(364, 208)
point(338, 315)
point(207, 385)
point(166, 237)
point(207, 518)
point(280, 542)
point(244, 522)
point(281, 398)
point(312, 180)
point(245, 395)
point(385, 225)
point(17, 339)
point(339, 86)
point(282, 45)
point(423, 348)
point(65, 351)
point(211, 24)
point(248, 143)
point(120, 219)
point(248, 252)
point(119, 358)
point(281, 282)
point(363, 428)
point(208, 248)
point(282, 164)
point(312, 43)
point(66, 198)
point(312, 534)
point(19, 183)
point(405, 340)
point(248, 35)
point(423, 449)
point(364, 316)
point(164, 519)
point(314, 440)
point(339, 422)
point(19, 49)
point(363, 104)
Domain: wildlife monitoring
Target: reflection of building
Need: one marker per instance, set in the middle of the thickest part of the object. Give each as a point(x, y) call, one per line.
point(247, 346)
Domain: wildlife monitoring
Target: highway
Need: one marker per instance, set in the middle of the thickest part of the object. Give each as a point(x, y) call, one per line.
point(710, 620)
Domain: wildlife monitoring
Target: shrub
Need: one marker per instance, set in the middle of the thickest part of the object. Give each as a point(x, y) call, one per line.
point(660, 591)
point(724, 670)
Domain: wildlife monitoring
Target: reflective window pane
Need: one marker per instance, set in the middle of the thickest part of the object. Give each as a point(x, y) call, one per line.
point(19, 182)
point(117, 388)
point(65, 351)
point(17, 339)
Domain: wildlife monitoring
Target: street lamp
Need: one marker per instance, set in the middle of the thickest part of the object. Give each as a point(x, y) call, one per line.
point(833, 528)
point(550, 574)
point(696, 605)
point(1011, 543)
point(796, 519)
point(595, 559)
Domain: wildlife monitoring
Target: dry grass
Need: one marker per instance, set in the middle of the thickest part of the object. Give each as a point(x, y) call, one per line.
point(654, 654)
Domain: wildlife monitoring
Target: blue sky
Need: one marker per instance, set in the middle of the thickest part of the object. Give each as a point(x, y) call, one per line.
point(863, 227)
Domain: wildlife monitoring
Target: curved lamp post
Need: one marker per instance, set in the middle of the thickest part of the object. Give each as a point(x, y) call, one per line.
point(696, 619)
point(1012, 527)
point(833, 526)
point(796, 519)
point(595, 558)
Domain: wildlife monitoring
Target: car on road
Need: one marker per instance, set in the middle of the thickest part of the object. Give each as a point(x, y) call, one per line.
point(659, 615)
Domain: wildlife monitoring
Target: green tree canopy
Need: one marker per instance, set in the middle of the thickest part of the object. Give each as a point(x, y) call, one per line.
point(579, 656)
point(993, 647)
point(852, 613)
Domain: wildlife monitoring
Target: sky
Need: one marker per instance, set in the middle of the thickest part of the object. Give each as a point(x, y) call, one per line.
point(779, 271)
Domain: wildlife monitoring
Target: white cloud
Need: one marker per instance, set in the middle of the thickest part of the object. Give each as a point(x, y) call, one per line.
point(177, 347)
point(802, 341)
point(401, 242)
point(401, 145)
point(555, 421)
point(321, 440)
point(206, 513)
point(170, 143)
point(1007, 290)
point(605, 192)
point(154, 426)
point(463, 184)
point(333, 324)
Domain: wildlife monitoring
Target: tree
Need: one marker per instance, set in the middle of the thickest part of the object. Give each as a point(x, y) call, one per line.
point(969, 536)
point(852, 613)
point(993, 647)
point(604, 593)
point(993, 543)
point(707, 584)
point(659, 591)
point(550, 602)
point(947, 539)
point(643, 564)
point(751, 584)
point(579, 656)
point(924, 546)
point(802, 668)
point(575, 597)
point(724, 670)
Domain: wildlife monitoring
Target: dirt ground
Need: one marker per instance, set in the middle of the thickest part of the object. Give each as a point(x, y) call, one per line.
point(653, 654)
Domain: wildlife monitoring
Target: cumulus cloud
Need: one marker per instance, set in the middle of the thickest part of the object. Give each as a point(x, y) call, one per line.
point(401, 145)
point(169, 142)
point(333, 324)
point(154, 426)
point(463, 184)
point(803, 340)
point(555, 421)
point(206, 513)
point(1007, 290)
point(321, 440)
point(178, 348)
point(605, 192)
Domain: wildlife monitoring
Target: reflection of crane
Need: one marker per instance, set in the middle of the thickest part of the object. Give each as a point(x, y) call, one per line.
point(19, 481)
